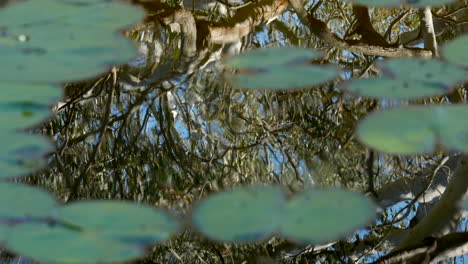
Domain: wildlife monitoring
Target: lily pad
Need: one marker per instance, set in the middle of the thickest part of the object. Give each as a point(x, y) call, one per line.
point(23, 146)
point(395, 3)
point(455, 51)
point(21, 153)
point(19, 167)
point(394, 89)
point(280, 69)
point(241, 215)
point(434, 71)
point(400, 81)
point(93, 232)
point(317, 216)
point(22, 202)
point(57, 244)
point(72, 41)
point(3, 232)
point(416, 129)
point(17, 116)
point(33, 93)
point(121, 221)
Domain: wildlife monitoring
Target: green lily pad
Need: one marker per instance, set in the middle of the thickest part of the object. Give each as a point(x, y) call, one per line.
point(21, 202)
point(34, 93)
point(317, 216)
point(453, 128)
point(455, 51)
point(72, 41)
point(99, 14)
point(3, 233)
point(416, 129)
point(394, 89)
point(121, 221)
point(19, 167)
point(64, 63)
point(279, 69)
point(24, 105)
point(434, 71)
point(57, 244)
point(109, 16)
point(93, 232)
point(20, 115)
point(22, 145)
point(241, 215)
point(401, 81)
point(395, 3)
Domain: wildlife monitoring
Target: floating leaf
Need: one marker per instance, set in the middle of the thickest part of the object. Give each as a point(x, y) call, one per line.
point(57, 244)
point(18, 115)
point(121, 221)
point(21, 153)
point(32, 93)
point(453, 129)
point(434, 71)
point(416, 129)
point(455, 51)
point(395, 3)
point(25, 105)
point(279, 69)
point(93, 232)
point(248, 214)
point(18, 167)
point(21, 145)
point(69, 42)
point(21, 202)
point(394, 89)
point(317, 216)
point(401, 81)
point(3, 232)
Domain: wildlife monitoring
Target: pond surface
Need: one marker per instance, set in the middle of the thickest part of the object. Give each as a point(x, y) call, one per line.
point(170, 126)
point(177, 127)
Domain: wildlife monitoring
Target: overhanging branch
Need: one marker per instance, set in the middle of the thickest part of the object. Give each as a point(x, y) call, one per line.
point(321, 30)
